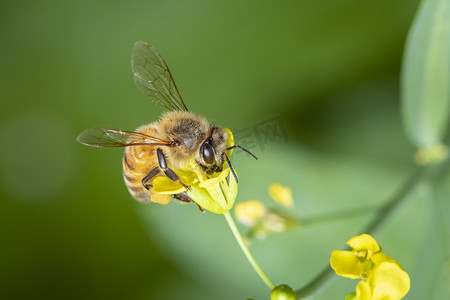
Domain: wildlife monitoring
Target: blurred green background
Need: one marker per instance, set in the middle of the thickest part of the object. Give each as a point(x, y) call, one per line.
point(329, 70)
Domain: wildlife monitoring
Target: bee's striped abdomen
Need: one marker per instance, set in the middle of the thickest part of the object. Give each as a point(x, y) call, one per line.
point(138, 161)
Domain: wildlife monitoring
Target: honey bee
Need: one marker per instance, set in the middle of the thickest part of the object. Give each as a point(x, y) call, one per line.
point(159, 148)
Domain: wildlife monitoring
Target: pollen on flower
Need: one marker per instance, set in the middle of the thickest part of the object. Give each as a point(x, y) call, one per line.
point(364, 275)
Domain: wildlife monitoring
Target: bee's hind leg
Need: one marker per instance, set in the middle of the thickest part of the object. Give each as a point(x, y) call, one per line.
point(184, 198)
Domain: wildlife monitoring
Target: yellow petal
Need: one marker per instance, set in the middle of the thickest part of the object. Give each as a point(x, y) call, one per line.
point(363, 291)
point(215, 180)
point(364, 242)
point(389, 282)
point(346, 263)
point(250, 212)
point(229, 191)
point(379, 258)
point(230, 141)
point(217, 195)
point(204, 199)
point(189, 175)
point(214, 194)
point(232, 191)
point(165, 185)
point(281, 194)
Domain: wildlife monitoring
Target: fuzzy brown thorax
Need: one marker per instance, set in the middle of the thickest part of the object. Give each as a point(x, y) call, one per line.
point(193, 136)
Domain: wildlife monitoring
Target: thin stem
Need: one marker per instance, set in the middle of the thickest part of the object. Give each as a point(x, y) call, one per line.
point(247, 253)
point(335, 216)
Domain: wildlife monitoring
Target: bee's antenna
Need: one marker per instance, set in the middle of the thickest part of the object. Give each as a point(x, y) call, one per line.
point(242, 148)
point(231, 167)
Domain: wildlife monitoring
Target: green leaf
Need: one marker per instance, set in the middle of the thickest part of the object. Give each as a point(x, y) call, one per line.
point(426, 75)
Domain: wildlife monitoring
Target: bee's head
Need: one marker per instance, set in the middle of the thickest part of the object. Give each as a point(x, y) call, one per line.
point(212, 149)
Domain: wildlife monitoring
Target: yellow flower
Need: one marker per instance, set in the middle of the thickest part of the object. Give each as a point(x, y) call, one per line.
point(382, 277)
point(264, 221)
point(281, 194)
point(355, 263)
point(250, 212)
point(216, 192)
point(387, 282)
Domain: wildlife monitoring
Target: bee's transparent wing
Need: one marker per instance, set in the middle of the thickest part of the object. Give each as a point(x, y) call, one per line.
point(107, 137)
point(153, 77)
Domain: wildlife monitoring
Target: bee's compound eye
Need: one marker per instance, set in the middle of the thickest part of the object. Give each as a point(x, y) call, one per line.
point(207, 153)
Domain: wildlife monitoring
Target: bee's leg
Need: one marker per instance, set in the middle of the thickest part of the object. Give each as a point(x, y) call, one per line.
point(169, 172)
point(184, 198)
point(199, 207)
point(149, 176)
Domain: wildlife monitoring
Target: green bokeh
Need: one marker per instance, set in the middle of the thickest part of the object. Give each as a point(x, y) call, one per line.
point(327, 69)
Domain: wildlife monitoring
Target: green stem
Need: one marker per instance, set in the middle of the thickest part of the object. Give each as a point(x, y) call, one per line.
point(247, 253)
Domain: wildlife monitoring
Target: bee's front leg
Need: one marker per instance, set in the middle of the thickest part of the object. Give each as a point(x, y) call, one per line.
point(149, 176)
point(169, 172)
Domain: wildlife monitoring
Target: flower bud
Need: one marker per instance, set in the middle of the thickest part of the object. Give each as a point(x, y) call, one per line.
point(281, 194)
point(250, 212)
point(282, 292)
